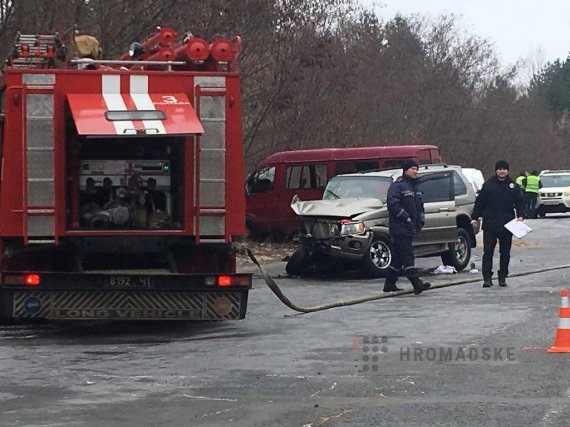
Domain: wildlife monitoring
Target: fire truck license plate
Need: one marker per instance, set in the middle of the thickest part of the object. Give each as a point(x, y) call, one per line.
point(125, 282)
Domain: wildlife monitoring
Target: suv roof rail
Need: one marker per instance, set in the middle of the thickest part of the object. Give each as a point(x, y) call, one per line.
point(424, 165)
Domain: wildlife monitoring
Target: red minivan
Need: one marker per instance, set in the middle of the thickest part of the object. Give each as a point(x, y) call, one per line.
point(271, 187)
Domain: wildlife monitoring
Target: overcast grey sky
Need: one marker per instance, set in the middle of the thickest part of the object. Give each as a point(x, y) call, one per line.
point(517, 28)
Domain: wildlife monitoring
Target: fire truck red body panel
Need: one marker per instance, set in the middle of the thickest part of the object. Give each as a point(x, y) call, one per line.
point(110, 174)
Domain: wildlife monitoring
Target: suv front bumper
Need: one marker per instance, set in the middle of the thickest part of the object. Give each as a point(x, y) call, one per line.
point(348, 247)
point(553, 202)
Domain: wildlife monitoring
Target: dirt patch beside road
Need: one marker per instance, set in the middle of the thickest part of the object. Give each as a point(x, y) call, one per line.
point(267, 253)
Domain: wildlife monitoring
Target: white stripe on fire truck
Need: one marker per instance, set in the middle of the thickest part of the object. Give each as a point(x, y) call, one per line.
point(115, 102)
point(139, 94)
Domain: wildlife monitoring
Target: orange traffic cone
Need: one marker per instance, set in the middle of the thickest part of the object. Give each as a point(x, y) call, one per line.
point(562, 340)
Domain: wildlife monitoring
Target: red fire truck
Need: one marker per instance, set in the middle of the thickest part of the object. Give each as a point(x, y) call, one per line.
point(121, 190)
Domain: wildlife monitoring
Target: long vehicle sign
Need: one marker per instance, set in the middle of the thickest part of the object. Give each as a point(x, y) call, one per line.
point(124, 296)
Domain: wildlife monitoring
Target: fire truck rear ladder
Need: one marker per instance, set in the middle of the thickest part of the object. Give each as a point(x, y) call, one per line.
point(38, 199)
point(210, 209)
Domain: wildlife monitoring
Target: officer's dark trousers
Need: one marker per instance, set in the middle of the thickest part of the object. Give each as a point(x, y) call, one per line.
point(490, 238)
point(403, 257)
point(531, 199)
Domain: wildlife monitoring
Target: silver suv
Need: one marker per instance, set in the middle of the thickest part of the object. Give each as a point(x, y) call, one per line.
point(554, 196)
point(351, 222)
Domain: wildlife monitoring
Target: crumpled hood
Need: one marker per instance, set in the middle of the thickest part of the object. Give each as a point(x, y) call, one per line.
point(340, 207)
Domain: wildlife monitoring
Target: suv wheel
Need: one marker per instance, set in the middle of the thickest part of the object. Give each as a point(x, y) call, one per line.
point(379, 256)
point(459, 253)
point(298, 262)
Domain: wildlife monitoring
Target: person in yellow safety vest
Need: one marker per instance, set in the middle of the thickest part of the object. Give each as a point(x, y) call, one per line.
point(521, 178)
point(531, 186)
point(520, 181)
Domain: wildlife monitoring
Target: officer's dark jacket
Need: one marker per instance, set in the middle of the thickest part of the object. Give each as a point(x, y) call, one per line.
point(406, 207)
point(496, 203)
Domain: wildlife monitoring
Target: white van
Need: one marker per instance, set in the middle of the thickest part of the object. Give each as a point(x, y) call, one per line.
point(475, 177)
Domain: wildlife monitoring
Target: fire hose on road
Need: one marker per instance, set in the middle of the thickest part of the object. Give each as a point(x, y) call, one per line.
point(277, 291)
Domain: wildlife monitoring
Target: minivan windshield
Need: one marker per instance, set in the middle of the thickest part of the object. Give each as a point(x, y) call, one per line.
point(344, 187)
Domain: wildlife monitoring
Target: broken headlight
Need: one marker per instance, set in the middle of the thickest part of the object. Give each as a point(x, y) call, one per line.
point(350, 227)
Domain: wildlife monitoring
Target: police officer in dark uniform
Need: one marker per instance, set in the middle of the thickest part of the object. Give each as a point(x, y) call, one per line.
point(407, 217)
point(497, 201)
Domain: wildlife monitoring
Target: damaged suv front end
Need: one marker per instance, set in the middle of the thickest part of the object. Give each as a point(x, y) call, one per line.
point(344, 223)
point(351, 222)
point(335, 227)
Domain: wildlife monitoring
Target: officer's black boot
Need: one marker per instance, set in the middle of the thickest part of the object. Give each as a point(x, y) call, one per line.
point(391, 279)
point(487, 282)
point(419, 285)
point(502, 279)
point(390, 285)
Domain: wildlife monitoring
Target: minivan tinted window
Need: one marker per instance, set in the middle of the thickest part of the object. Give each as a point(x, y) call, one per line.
point(353, 166)
point(394, 163)
point(306, 176)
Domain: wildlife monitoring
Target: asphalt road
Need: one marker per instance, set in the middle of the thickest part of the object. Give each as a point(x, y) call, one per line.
point(460, 355)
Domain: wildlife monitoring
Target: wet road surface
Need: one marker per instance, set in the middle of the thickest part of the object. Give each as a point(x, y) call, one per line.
point(416, 360)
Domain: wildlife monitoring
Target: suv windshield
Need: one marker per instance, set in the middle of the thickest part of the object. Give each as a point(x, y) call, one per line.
point(555, 180)
point(358, 187)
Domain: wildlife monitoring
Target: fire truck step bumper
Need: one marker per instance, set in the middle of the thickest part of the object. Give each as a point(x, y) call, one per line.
point(126, 305)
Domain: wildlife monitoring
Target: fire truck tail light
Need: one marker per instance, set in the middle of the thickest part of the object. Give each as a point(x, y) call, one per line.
point(32, 279)
point(22, 279)
point(227, 281)
point(224, 280)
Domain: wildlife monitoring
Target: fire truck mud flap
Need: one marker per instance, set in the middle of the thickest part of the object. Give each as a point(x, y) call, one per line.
point(126, 305)
point(123, 296)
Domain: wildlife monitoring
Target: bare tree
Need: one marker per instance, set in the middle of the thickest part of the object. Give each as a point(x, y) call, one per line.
point(328, 73)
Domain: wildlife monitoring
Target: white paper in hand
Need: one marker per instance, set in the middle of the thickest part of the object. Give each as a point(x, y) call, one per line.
point(518, 228)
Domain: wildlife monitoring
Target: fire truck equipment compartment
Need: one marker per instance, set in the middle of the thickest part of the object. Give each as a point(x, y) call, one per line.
point(92, 118)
